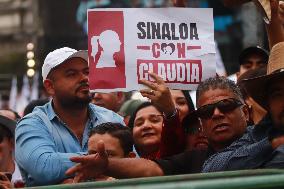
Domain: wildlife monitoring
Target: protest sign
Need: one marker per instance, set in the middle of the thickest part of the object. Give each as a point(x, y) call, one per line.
point(125, 44)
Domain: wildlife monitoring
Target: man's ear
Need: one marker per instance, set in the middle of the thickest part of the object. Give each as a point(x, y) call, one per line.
point(245, 110)
point(12, 144)
point(120, 97)
point(238, 75)
point(131, 155)
point(48, 85)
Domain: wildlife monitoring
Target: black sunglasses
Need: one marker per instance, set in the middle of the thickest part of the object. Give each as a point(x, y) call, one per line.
point(225, 105)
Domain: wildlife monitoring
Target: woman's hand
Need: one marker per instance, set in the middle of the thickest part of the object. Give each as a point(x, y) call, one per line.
point(159, 94)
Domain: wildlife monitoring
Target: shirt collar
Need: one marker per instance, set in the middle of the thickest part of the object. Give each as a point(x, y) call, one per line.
point(92, 113)
point(51, 114)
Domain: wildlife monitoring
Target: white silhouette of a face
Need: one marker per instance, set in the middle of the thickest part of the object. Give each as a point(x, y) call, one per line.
point(109, 41)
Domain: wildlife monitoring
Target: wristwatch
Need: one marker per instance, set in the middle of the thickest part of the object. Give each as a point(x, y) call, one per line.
point(171, 115)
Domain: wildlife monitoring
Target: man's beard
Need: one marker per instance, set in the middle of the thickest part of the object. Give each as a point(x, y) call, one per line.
point(75, 102)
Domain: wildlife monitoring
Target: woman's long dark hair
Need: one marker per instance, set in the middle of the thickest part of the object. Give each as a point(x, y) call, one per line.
point(191, 117)
point(188, 100)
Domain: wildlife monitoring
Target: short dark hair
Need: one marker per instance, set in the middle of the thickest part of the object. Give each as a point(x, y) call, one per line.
point(218, 83)
point(117, 130)
point(7, 126)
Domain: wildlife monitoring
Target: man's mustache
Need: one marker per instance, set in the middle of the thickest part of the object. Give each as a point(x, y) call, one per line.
point(83, 85)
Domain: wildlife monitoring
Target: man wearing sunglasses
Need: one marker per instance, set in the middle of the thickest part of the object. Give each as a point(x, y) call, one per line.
point(267, 139)
point(222, 111)
point(262, 146)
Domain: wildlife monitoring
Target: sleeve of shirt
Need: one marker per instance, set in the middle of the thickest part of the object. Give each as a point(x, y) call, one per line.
point(242, 154)
point(36, 154)
point(184, 163)
point(277, 159)
point(118, 118)
point(172, 137)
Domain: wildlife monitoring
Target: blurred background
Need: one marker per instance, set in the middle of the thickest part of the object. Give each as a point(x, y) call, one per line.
point(30, 29)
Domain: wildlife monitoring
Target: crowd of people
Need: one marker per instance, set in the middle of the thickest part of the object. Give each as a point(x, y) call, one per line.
point(78, 136)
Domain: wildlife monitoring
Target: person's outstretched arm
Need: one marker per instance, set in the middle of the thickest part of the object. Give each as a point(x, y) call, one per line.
point(92, 165)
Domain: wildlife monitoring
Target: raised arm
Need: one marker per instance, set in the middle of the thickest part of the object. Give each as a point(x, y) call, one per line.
point(173, 135)
point(275, 29)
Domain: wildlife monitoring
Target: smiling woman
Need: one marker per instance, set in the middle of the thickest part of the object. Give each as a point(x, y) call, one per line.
point(147, 123)
point(156, 136)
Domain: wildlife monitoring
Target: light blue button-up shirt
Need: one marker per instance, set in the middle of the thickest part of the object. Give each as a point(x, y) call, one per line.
point(44, 143)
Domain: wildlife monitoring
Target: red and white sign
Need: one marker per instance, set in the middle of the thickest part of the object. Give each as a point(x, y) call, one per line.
point(125, 44)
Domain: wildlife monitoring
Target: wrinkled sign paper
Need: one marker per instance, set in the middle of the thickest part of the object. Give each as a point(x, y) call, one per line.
point(125, 44)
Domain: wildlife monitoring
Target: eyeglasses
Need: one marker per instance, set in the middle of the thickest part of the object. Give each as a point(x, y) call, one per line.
point(225, 106)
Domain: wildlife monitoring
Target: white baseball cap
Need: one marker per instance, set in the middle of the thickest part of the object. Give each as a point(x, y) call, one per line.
point(58, 56)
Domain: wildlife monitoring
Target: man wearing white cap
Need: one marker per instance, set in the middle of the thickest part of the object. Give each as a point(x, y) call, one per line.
point(51, 134)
